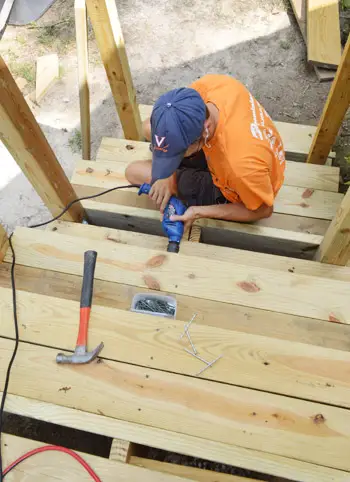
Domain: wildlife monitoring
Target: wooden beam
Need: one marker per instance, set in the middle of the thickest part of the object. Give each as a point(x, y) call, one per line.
point(334, 111)
point(26, 142)
point(55, 466)
point(274, 424)
point(335, 247)
point(83, 68)
point(47, 72)
point(3, 242)
point(261, 363)
point(244, 285)
point(192, 473)
point(215, 314)
point(299, 9)
point(121, 450)
point(105, 21)
point(5, 13)
point(256, 460)
point(299, 201)
point(323, 32)
point(324, 178)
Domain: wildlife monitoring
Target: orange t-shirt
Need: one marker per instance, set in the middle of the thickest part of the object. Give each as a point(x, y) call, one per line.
point(246, 156)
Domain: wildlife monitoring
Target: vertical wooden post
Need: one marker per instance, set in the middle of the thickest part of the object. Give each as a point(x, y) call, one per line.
point(121, 450)
point(335, 247)
point(3, 242)
point(105, 21)
point(83, 66)
point(24, 139)
point(337, 104)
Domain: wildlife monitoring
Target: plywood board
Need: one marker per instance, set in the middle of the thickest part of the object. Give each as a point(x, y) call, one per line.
point(283, 367)
point(47, 72)
point(234, 283)
point(299, 174)
point(256, 460)
point(54, 466)
point(210, 313)
point(323, 32)
point(290, 200)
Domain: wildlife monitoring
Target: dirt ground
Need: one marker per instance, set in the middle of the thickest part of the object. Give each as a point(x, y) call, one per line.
point(170, 43)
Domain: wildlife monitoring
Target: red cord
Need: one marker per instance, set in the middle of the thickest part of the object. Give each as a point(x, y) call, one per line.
point(59, 449)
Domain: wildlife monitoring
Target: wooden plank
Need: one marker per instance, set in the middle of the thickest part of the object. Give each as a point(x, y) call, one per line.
point(3, 242)
point(5, 13)
point(83, 69)
point(282, 367)
point(335, 248)
point(290, 200)
point(325, 178)
point(210, 313)
point(234, 283)
point(179, 443)
point(192, 473)
point(299, 8)
point(105, 212)
point(121, 450)
point(31, 150)
point(213, 411)
point(228, 255)
point(105, 22)
point(336, 106)
point(53, 466)
point(47, 72)
point(323, 32)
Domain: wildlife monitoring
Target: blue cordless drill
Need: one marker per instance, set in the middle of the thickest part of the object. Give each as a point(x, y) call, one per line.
point(174, 230)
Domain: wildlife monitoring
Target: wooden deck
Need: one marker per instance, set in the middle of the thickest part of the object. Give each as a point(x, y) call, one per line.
point(276, 403)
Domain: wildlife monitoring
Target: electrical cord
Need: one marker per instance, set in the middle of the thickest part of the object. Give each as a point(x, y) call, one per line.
point(15, 318)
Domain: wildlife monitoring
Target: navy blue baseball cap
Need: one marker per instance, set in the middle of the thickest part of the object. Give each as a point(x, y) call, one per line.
point(177, 121)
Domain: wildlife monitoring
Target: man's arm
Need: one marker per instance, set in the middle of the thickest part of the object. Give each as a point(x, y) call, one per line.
point(228, 212)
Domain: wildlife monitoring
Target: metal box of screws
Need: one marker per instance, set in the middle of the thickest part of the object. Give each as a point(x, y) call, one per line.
point(152, 304)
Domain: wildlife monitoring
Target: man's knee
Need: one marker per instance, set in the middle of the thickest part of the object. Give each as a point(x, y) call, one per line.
point(138, 172)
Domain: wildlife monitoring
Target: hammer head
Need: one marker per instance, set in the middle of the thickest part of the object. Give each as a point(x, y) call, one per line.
point(80, 355)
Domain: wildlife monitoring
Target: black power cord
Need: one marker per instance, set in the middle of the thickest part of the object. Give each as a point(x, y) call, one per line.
point(14, 301)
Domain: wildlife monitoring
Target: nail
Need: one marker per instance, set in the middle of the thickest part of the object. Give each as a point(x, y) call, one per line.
point(197, 356)
point(188, 325)
point(208, 366)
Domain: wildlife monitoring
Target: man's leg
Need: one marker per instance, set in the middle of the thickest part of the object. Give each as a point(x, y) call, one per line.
point(139, 172)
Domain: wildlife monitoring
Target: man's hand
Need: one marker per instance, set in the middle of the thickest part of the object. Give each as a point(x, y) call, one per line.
point(162, 190)
point(191, 214)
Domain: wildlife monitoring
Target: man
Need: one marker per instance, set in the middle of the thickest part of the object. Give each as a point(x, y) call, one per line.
point(216, 148)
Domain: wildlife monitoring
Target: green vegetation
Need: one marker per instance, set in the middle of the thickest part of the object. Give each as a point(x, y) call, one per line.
point(75, 141)
point(284, 45)
point(23, 69)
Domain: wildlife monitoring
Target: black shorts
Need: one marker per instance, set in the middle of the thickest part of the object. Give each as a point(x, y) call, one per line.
point(194, 183)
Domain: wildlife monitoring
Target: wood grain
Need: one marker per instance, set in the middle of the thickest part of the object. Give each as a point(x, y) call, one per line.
point(208, 410)
point(336, 106)
point(121, 450)
point(54, 466)
point(210, 313)
point(109, 36)
point(26, 142)
point(81, 35)
point(280, 292)
point(257, 460)
point(258, 260)
point(323, 32)
point(284, 367)
point(3, 242)
point(290, 200)
point(47, 73)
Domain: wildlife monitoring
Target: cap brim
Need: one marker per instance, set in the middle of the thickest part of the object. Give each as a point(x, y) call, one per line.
point(163, 167)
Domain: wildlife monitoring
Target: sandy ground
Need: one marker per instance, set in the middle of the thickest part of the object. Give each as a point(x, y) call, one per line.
point(170, 43)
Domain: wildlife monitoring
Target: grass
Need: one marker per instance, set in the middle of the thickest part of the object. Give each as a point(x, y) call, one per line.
point(21, 39)
point(284, 45)
point(23, 69)
point(75, 141)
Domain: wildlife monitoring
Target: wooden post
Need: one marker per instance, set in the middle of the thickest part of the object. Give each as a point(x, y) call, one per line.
point(105, 21)
point(335, 247)
point(3, 242)
point(121, 450)
point(83, 65)
point(26, 142)
point(334, 111)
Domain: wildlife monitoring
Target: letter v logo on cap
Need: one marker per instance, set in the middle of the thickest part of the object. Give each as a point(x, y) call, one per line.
point(159, 141)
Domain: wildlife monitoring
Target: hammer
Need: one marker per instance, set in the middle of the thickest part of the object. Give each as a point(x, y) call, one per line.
point(81, 355)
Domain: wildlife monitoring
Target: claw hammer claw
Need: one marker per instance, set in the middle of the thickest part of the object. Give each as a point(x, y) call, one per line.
point(81, 355)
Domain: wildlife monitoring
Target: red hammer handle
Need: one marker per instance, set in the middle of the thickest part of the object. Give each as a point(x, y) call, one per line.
point(86, 295)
